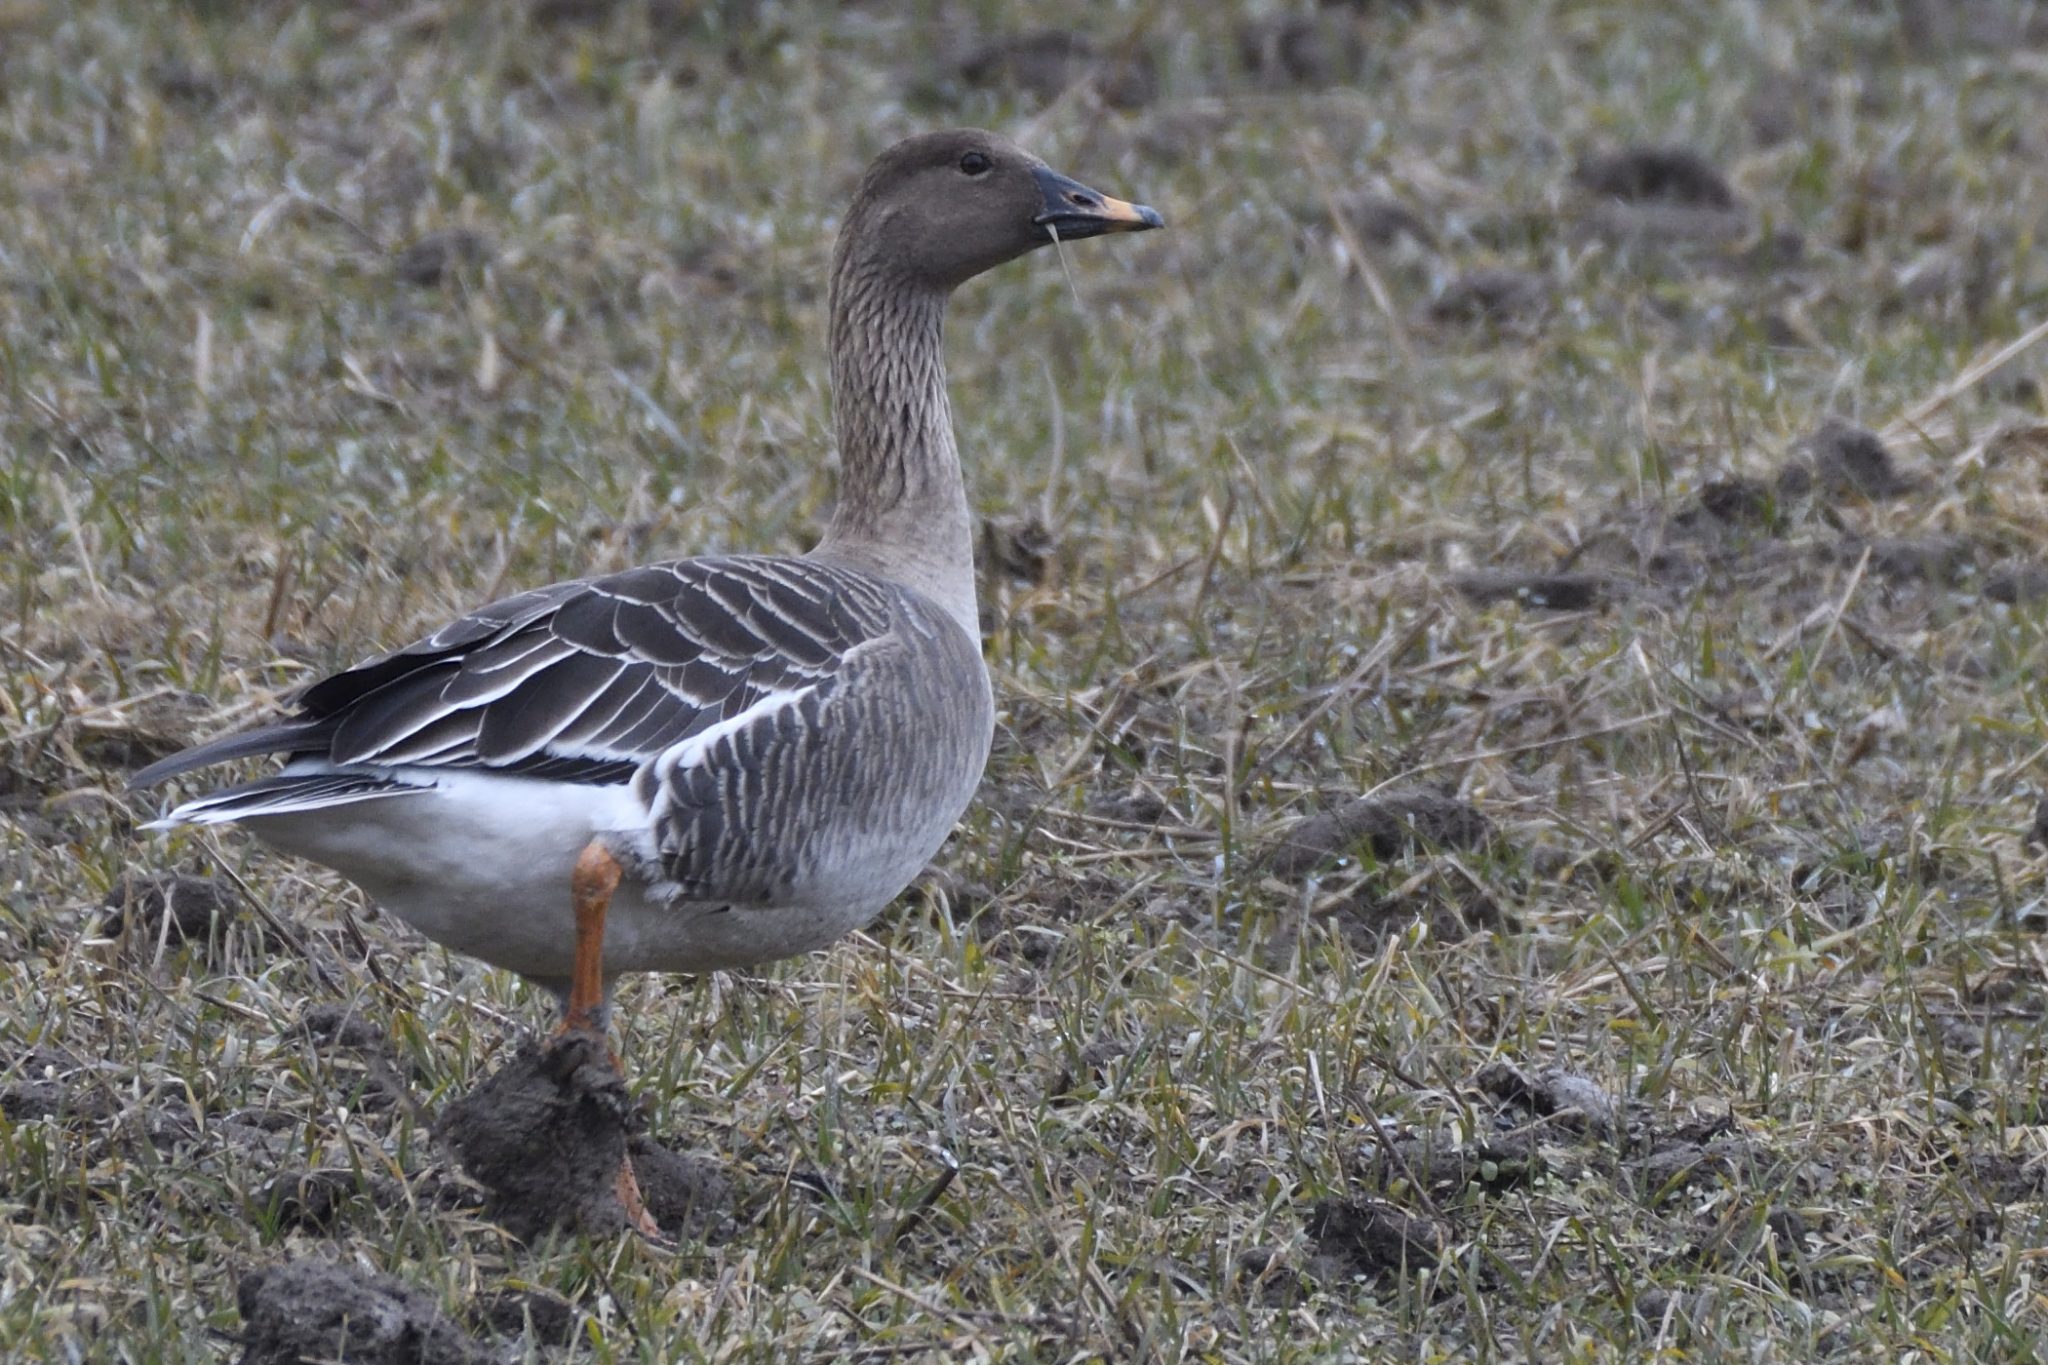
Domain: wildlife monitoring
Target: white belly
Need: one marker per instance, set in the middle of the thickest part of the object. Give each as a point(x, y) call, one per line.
point(482, 866)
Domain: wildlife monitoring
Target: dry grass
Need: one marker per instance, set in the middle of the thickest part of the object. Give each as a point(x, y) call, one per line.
point(319, 322)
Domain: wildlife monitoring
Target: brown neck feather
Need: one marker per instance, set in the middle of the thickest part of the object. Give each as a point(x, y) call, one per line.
point(902, 503)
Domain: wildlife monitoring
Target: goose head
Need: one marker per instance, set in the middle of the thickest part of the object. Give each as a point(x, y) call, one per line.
point(938, 209)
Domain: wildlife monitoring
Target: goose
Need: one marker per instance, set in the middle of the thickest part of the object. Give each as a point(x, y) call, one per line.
point(710, 762)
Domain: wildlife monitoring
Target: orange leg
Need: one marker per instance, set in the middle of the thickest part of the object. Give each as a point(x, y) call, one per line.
point(595, 879)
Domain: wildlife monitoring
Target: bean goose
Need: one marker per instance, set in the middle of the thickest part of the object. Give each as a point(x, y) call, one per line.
point(708, 762)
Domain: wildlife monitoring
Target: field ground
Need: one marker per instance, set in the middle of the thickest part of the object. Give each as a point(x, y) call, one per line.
point(1513, 830)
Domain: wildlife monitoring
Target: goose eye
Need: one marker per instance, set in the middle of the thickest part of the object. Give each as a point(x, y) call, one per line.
point(974, 163)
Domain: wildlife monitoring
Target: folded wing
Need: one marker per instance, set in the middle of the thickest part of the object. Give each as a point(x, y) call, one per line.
point(582, 681)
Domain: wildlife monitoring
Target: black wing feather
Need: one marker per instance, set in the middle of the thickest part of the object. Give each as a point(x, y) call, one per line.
point(592, 624)
point(581, 681)
point(520, 724)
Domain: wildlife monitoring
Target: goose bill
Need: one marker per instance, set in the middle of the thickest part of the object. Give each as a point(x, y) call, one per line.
point(1074, 211)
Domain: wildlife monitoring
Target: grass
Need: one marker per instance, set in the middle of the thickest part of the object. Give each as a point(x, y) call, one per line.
point(1759, 871)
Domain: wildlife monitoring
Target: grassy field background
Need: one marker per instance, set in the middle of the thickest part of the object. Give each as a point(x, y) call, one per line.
point(1436, 495)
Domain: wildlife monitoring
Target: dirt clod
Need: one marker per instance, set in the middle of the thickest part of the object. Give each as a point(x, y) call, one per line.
point(688, 1196)
point(532, 1314)
point(440, 255)
point(1547, 591)
point(546, 1134)
point(1377, 219)
point(1137, 806)
point(1268, 1273)
point(315, 1310)
point(28, 1101)
point(1020, 549)
point(1739, 502)
point(1442, 1166)
point(171, 906)
point(1848, 460)
point(340, 1026)
point(1659, 1308)
point(1675, 175)
point(1447, 900)
point(2016, 583)
point(1388, 825)
point(1492, 295)
point(1999, 1178)
point(1926, 559)
point(1090, 1068)
point(316, 1200)
point(1374, 1237)
point(1676, 1164)
point(184, 83)
point(1577, 1101)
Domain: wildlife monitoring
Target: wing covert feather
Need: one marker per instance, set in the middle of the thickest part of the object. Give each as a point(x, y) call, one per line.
point(585, 680)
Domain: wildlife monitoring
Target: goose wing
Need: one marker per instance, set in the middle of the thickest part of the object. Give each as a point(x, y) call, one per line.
point(582, 681)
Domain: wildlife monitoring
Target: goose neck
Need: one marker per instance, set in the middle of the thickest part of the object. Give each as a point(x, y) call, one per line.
point(902, 509)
